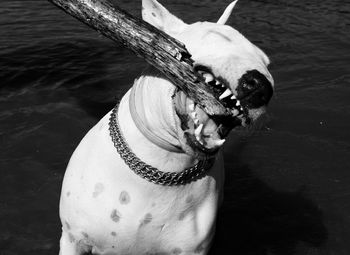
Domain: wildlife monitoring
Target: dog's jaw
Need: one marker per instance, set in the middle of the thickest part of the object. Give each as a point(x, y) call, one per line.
point(195, 129)
point(204, 135)
point(199, 134)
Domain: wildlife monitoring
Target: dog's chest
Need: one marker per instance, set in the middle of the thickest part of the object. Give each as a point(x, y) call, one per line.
point(167, 220)
point(137, 218)
point(108, 207)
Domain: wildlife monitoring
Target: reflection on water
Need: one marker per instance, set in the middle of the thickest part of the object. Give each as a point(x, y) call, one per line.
point(287, 188)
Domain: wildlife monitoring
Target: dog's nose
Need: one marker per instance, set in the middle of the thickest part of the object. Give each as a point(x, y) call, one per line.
point(254, 89)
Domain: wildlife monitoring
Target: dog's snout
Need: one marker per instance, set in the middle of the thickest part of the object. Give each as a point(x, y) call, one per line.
point(254, 89)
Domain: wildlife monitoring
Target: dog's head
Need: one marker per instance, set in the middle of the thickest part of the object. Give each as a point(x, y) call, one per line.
point(234, 68)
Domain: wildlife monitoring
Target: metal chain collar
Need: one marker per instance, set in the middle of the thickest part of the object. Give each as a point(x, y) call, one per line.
point(146, 171)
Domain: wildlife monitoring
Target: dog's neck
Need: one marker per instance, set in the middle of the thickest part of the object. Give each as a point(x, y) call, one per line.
point(152, 113)
point(154, 107)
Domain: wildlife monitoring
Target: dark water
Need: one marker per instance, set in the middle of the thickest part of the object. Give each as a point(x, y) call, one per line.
point(288, 184)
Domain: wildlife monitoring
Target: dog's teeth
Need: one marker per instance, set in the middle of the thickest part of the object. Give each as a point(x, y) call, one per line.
point(217, 83)
point(238, 103)
point(208, 77)
point(198, 130)
point(191, 107)
point(193, 115)
point(199, 139)
point(225, 94)
point(233, 97)
point(219, 142)
point(196, 121)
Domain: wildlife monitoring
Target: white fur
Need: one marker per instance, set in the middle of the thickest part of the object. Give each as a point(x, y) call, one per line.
point(106, 208)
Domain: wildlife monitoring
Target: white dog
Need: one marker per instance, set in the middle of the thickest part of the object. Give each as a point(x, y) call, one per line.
point(148, 178)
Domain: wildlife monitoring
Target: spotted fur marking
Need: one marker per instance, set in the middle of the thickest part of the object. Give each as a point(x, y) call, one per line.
point(99, 188)
point(176, 251)
point(189, 199)
point(124, 198)
point(67, 225)
point(182, 215)
point(71, 238)
point(115, 215)
point(147, 219)
point(200, 248)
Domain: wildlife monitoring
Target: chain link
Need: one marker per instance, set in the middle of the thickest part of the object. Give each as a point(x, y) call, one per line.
point(146, 171)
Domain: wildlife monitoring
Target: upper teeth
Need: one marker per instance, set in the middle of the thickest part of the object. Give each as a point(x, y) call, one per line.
point(208, 77)
point(211, 79)
point(226, 93)
point(198, 130)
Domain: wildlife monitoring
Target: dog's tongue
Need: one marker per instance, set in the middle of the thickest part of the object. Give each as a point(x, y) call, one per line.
point(194, 121)
point(209, 126)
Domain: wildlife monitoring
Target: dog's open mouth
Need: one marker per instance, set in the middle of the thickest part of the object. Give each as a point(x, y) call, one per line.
point(207, 133)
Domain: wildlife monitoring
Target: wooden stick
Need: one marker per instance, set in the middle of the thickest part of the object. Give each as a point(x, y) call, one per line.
point(156, 47)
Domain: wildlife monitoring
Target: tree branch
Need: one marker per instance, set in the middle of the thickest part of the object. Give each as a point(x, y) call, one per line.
point(156, 47)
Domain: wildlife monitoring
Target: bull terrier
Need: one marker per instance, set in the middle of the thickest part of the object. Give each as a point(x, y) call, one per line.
point(148, 177)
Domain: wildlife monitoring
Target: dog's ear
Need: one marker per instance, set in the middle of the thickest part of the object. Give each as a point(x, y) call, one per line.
point(157, 15)
point(227, 13)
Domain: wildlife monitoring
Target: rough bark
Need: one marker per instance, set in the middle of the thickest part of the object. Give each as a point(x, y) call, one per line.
point(157, 48)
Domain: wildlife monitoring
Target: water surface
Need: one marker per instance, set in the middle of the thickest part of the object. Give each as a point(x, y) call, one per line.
point(288, 183)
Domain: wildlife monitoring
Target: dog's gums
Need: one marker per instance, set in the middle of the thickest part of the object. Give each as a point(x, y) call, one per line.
point(221, 90)
point(207, 133)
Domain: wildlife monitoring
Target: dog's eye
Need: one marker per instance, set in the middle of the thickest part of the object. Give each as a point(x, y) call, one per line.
point(202, 69)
